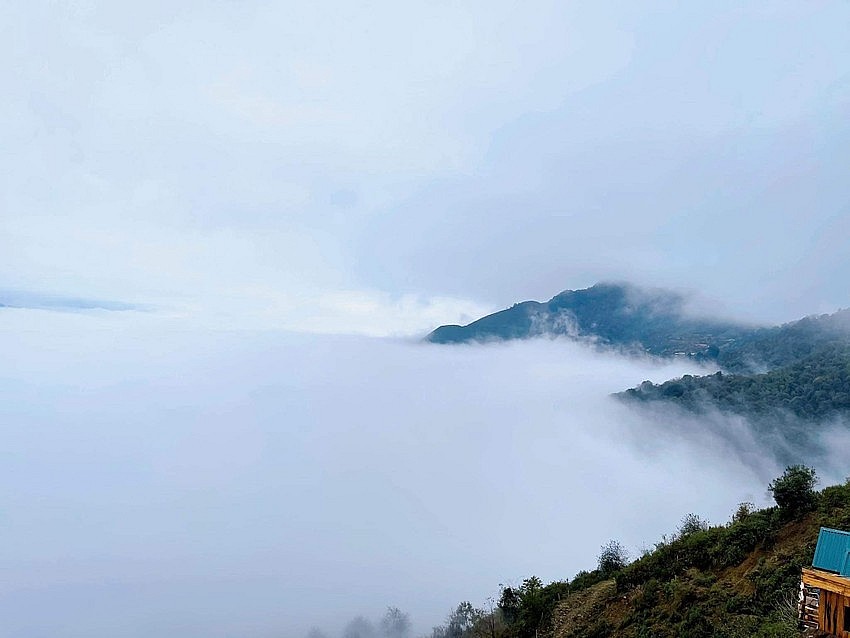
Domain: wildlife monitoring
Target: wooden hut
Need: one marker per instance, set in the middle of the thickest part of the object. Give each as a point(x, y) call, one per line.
point(824, 602)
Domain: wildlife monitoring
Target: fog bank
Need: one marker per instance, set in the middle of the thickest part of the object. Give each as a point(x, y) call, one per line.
point(163, 481)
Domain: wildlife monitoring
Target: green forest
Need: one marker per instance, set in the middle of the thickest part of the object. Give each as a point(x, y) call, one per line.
point(815, 388)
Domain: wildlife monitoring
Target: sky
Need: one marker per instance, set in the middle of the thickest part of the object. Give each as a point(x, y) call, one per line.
point(381, 168)
point(224, 227)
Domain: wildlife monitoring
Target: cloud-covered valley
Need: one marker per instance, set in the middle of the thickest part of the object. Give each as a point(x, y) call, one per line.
point(164, 480)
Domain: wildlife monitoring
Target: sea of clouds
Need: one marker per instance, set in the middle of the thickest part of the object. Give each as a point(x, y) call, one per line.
point(160, 480)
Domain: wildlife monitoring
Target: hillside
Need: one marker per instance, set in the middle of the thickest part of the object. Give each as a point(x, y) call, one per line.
point(617, 315)
point(655, 321)
point(815, 388)
point(763, 349)
point(799, 369)
point(732, 580)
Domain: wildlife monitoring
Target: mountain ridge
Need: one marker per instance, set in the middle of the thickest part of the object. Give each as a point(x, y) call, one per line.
point(776, 376)
point(615, 314)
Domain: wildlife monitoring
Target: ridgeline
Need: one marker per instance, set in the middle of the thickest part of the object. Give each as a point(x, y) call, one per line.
point(799, 369)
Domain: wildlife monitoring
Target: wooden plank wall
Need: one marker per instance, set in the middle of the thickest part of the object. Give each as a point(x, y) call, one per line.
point(828, 596)
point(831, 613)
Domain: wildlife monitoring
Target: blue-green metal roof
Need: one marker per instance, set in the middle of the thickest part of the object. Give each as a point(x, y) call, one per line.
point(833, 551)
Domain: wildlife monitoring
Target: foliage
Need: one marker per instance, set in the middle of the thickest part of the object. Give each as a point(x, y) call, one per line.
point(815, 388)
point(585, 579)
point(692, 524)
point(612, 559)
point(460, 623)
point(834, 507)
point(727, 581)
point(745, 508)
point(528, 608)
point(491, 624)
point(794, 491)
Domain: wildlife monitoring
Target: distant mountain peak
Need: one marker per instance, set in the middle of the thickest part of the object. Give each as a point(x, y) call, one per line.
point(617, 314)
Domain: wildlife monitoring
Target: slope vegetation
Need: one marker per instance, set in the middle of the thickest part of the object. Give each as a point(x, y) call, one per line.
point(815, 388)
point(734, 580)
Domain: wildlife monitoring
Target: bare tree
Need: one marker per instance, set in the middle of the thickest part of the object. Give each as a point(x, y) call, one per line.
point(395, 623)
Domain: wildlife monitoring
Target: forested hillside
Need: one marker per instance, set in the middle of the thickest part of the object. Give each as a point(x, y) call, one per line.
point(655, 321)
point(615, 315)
point(732, 580)
point(799, 369)
point(764, 349)
point(815, 388)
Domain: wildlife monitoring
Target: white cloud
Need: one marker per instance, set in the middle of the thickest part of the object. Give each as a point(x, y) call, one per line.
point(485, 151)
point(231, 481)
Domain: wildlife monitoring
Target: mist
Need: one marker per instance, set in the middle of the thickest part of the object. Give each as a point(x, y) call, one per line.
point(162, 480)
point(200, 201)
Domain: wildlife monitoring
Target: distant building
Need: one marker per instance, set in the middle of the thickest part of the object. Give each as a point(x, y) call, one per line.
point(824, 602)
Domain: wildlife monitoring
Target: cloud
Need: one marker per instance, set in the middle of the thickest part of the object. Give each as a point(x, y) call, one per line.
point(257, 481)
point(39, 301)
point(169, 153)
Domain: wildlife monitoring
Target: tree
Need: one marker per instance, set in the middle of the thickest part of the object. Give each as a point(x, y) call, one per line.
point(395, 623)
point(794, 491)
point(461, 621)
point(510, 603)
point(691, 524)
point(491, 624)
point(744, 510)
point(527, 609)
point(613, 558)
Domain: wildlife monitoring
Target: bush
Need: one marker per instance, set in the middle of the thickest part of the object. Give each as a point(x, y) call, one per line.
point(613, 558)
point(794, 491)
point(758, 529)
point(527, 609)
point(585, 579)
point(744, 510)
point(692, 524)
point(834, 506)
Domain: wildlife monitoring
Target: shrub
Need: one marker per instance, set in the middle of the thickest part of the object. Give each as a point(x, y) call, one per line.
point(794, 491)
point(692, 524)
point(613, 558)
